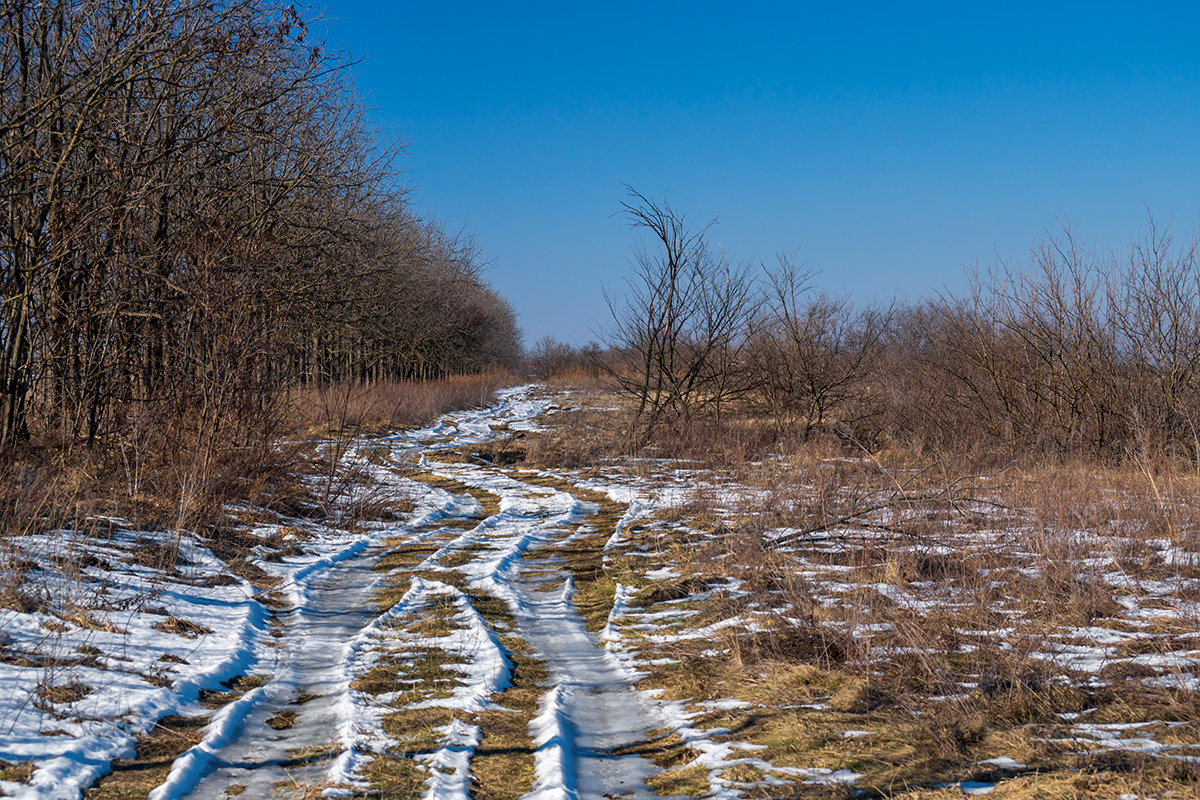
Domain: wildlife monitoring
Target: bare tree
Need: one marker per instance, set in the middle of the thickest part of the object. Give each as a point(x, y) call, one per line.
point(683, 319)
point(196, 213)
point(813, 353)
point(549, 357)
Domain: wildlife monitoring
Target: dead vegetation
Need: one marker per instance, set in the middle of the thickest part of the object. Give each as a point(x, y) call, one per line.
point(156, 751)
point(419, 674)
point(72, 535)
point(354, 408)
point(973, 517)
point(962, 609)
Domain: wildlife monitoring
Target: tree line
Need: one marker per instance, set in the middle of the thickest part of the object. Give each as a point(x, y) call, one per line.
point(1076, 353)
point(196, 213)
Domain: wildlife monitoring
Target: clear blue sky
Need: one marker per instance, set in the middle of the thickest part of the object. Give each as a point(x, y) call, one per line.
point(890, 146)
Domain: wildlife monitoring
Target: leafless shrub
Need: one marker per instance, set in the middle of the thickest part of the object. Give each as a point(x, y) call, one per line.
point(813, 356)
point(682, 324)
point(550, 358)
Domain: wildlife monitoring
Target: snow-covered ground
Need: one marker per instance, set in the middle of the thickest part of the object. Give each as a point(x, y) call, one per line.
point(110, 646)
point(114, 637)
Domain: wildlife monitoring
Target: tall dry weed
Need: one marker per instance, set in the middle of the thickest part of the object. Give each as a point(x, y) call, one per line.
point(353, 408)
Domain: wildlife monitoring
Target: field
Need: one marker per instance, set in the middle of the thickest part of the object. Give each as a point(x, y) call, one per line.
point(506, 604)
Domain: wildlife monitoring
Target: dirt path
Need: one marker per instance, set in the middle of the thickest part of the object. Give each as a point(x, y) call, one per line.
point(274, 747)
point(482, 534)
point(591, 707)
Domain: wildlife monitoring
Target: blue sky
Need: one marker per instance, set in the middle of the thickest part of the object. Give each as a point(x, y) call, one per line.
point(889, 146)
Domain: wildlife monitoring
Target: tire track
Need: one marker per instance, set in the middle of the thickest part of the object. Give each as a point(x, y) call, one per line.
point(496, 542)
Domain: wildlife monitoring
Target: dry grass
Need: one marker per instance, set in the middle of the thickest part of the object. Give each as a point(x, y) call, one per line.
point(583, 557)
point(182, 627)
point(1053, 551)
point(63, 694)
point(689, 781)
point(282, 720)
point(502, 767)
point(935, 599)
point(234, 688)
point(156, 486)
point(17, 773)
point(156, 751)
point(355, 408)
point(593, 431)
point(584, 378)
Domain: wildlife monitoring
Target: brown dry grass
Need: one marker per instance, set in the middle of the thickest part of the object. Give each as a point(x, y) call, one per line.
point(581, 378)
point(343, 408)
point(44, 489)
point(156, 751)
point(234, 688)
point(64, 693)
point(181, 627)
point(593, 431)
point(282, 720)
point(502, 769)
point(978, 542)
point(17, 773)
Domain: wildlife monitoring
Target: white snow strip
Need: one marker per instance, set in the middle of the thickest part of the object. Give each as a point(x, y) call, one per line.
point(620, 607)
point(554, 760)
point(637, 508)
point(138, 674)
point(189, 768)
point(485, 672)
point(450, 767)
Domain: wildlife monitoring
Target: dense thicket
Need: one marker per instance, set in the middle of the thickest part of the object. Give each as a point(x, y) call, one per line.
point(1075, 353)
point(195, 214)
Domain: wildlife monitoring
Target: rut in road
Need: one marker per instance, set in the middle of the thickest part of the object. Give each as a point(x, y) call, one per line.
point(590, 709)
point(506, 549)
point(307, 665)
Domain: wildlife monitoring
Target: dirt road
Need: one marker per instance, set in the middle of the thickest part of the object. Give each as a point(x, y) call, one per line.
point(465, 600)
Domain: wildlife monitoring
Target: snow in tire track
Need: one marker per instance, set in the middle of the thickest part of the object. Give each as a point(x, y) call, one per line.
point(315, 656)
point(591, 709)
